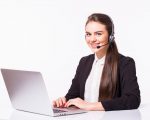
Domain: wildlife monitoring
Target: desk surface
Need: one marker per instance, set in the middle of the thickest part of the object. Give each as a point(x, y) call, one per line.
point(139, 114)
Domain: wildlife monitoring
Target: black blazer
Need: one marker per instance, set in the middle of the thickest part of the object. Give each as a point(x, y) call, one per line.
point(127, 94)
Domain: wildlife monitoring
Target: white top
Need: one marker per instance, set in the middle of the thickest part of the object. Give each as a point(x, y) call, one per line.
point(91, 93)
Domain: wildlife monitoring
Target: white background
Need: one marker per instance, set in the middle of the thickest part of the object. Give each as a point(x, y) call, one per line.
point(48, 36)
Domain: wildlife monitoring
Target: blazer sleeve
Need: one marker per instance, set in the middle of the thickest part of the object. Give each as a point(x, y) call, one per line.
point(74, 90)
point(130, 93)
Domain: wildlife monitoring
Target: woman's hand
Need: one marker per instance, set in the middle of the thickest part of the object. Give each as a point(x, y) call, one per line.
point(60, 102)
point(78, 102)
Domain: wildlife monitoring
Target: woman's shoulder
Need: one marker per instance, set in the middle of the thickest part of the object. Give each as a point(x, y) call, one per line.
point(125, 60)
point(86, 61)
point(88, 57)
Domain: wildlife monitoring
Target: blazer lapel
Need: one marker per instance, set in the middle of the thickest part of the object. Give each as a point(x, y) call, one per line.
point(86, 71)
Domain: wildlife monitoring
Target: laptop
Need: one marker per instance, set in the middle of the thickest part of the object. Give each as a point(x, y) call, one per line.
point(27, 92)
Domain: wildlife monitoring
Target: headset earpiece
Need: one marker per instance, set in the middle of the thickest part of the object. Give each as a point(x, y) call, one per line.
point(111, 38)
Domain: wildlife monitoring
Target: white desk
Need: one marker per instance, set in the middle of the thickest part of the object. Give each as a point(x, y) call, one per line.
point(139, 114)
point(121, 115)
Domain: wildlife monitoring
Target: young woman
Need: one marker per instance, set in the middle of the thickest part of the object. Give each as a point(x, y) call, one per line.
point(105, 80)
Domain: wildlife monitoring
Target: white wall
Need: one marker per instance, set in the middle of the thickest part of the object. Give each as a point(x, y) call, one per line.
point(48, 36)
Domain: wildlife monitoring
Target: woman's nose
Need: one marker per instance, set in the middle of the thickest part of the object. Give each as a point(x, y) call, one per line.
point(93, 38)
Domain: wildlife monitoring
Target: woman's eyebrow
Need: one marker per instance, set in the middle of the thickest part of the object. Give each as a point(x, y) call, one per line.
point(94, 32)
point(98, 31)
point(88, 32)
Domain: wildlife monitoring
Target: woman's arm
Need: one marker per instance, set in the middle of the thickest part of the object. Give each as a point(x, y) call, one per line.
point(130, 93)
point(74, 90)
point(78, 102)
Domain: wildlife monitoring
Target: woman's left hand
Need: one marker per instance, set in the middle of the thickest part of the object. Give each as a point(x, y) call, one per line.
point(78, 102)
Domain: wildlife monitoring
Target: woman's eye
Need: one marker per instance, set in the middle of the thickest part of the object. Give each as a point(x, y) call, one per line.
point(98, 34)
point(87, 34)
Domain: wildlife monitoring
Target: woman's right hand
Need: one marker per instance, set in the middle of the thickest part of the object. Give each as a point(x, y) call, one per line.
point(60, 102)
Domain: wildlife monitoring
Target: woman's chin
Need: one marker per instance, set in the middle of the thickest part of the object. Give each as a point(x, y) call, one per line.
point(95, 50)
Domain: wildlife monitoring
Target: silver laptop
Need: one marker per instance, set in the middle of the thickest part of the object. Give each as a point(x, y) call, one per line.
point(27, 92)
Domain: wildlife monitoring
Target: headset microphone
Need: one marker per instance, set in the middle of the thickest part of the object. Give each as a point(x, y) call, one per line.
point(98, 47)
point(101, 45)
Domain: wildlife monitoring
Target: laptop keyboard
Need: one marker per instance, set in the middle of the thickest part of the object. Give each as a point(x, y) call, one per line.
point(58, 111)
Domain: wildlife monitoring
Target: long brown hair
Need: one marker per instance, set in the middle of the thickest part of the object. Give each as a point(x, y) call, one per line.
point(110, 71)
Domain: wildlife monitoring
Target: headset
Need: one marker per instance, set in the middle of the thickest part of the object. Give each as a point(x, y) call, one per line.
point(111, 37)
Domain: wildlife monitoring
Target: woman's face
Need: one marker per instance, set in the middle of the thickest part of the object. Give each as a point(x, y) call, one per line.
point(96, 35)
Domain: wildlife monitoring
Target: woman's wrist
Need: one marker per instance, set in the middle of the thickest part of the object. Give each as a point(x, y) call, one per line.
point(97, 106)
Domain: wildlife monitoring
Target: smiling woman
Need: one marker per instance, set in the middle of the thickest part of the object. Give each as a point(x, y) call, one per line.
point(105, 80)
